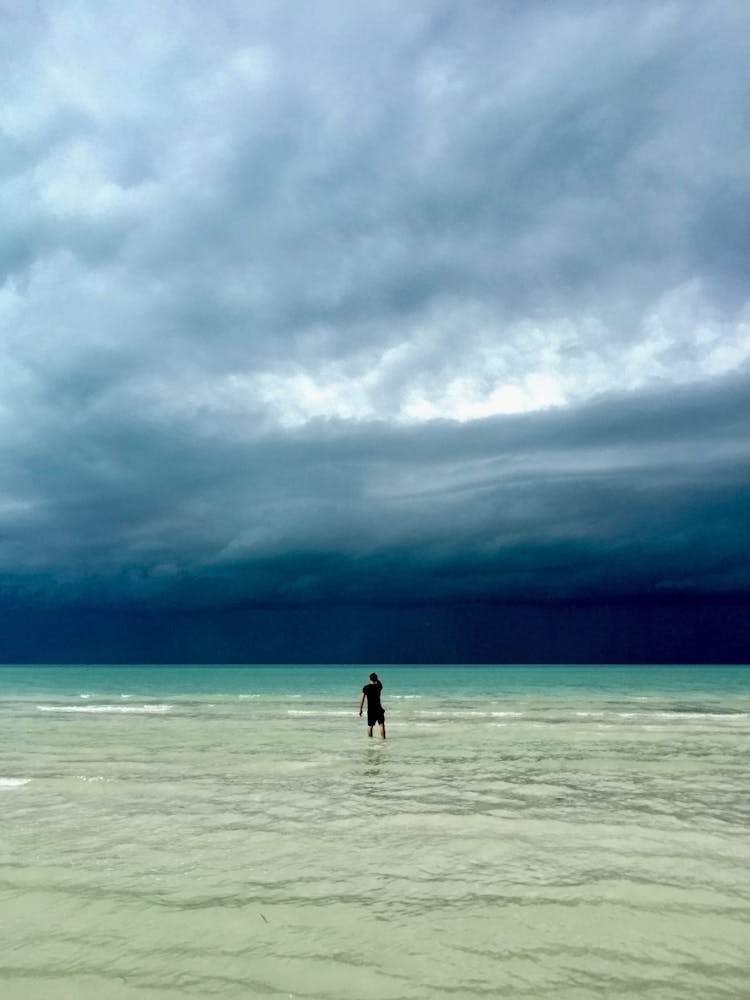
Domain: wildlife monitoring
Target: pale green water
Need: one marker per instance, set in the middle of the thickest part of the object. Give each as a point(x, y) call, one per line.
point(524, 832)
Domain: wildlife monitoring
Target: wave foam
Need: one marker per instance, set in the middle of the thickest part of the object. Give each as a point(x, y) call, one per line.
point(13, 782)
point(108, 709)
point(312, 711)
point(724, 716)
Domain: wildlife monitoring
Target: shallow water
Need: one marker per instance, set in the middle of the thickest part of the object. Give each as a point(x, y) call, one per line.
point(539, 832)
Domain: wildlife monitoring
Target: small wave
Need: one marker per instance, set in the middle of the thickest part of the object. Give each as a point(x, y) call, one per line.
point(680, 714)
point(84, 694)
point(13, 782)
point(700, 715)
point(313, 711)
point(501, 714)
point(242, 696)
point(451, 714)
point(108, 709)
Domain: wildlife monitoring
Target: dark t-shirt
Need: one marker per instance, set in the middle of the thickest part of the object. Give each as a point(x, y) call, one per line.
point(372, 693)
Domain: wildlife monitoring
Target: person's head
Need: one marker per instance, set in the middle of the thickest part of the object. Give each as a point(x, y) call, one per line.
point(374, 678)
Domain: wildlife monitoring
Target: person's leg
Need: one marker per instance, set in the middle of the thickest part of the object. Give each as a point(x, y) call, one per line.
point(382, 728)
point(369, 730)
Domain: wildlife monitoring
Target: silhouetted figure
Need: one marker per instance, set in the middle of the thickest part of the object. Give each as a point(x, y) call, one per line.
point(375, 712)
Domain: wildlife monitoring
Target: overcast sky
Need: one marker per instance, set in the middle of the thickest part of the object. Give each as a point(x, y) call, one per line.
point(330, 306)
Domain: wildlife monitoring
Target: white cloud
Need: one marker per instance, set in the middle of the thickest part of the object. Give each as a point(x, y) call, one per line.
point(485, 372)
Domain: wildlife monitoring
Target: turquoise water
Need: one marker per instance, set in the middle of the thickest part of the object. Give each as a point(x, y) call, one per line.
point(231, 832)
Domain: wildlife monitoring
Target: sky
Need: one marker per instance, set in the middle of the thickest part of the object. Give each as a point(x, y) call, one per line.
point(374, 332)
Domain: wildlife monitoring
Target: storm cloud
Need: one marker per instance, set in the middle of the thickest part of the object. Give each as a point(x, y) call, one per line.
point(361, 312)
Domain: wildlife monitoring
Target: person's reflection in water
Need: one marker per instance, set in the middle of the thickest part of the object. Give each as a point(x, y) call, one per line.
point(373, 777)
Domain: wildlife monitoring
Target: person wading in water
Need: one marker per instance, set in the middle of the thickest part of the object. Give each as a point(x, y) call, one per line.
point(375, 712)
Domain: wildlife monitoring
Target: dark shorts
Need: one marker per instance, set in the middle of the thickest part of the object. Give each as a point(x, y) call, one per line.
point(378, 716)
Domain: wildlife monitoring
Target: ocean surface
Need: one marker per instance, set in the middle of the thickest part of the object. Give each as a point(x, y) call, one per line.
point(566, 832)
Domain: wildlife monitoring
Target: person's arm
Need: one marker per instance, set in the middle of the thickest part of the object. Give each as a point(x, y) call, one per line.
point(361, 702)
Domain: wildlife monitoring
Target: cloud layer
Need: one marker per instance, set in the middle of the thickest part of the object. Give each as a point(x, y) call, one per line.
point(324, 302)
point(628, 495)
